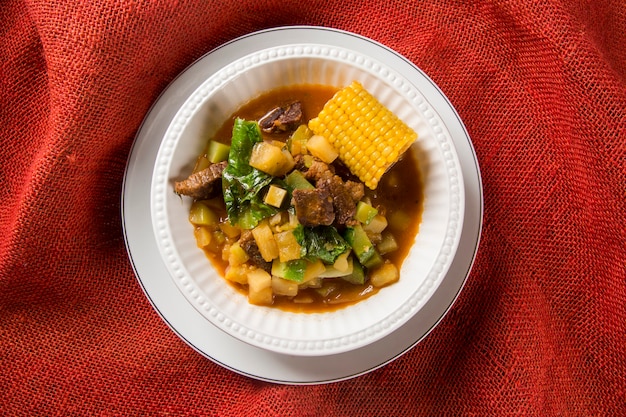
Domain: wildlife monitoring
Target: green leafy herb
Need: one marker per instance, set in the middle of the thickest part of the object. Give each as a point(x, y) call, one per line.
point(321, 242)
point(241, 183)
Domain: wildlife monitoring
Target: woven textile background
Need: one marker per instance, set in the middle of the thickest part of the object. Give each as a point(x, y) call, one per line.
point(540, 328)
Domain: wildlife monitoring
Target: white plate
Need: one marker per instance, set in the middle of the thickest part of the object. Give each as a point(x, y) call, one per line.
point(187, 321)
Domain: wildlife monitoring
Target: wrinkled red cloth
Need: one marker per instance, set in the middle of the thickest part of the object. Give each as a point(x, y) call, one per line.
point(540, 328)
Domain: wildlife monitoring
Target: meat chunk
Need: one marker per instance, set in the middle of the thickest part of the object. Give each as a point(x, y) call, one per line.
point(319, 170)
point(314, 207)
point(356, 190)
point(282, 119)
point(344, 205)
point(248, 244)
point(203, 184)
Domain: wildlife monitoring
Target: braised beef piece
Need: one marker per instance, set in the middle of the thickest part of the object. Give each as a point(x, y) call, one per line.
point(343, 196)
point(319, 170)
point(282, 119)
point(248, 244)
point(203, 184)
point(356, 190)
point(314, 207)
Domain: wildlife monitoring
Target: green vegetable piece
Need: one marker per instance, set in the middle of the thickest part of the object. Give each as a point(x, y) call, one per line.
point(217, 151)
point(360, 243)
point(357, 276)
point(296, 181)
point(374, 261)
point(242, 185)
point(365, 212)
point(320, 242)
point(299, 136)
point(292, 270)
point(201, 215)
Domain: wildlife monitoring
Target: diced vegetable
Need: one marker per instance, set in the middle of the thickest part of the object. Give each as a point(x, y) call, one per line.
point(319, 146)
point(264, 239)
point(342, 263)
point(293, 270)
point(217, 151)
point(203, 236)
point(332, 272)
point(229, 230)
point(275, 196)
point(284, 287)
point(201, 215)
point(201, 163)
point(238, 273)
point(357, 276)
point(387, 244)
point(270, 159)
point(365, 212)
point(288, 246)
point(360, 243)
point(260, 287)
point(385, 275)
point(216, 241)
point(297, 141)
point(376, 225)
point(374, 261)
point(367, 144)
point(296, 181)
point(314, 270)
point(237, 255)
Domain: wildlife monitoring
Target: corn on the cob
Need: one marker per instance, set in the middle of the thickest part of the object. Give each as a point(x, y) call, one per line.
point(368, 137)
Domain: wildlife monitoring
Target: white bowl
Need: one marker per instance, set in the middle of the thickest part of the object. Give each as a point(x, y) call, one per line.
point(308, 334)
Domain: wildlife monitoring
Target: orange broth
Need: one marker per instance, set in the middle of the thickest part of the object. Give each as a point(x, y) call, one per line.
point(400, 192)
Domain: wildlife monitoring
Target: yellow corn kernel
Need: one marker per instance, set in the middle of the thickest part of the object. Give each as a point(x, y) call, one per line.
point(368, 137)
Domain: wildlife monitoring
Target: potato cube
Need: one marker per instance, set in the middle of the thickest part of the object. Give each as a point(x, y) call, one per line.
point(288, 246)
point(229, 230)
point(236, 255)
point(238, 274)
point(275, 196)
point(285, 287)
point(386, 274)
point(376, 225)
point(271, 159)
point(260, 287)
point(387, 244)
point(320, 147)
point(203, 236)
point(313, 270)
point(201, 215)
point(264, 239)
point(264, 297)
point(258, 279)
point(341, 263)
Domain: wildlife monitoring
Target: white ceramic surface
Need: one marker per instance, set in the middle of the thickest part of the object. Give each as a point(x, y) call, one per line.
point(155, 277)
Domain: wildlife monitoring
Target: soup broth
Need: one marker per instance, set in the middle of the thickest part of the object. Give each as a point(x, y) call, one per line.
point(399, 196)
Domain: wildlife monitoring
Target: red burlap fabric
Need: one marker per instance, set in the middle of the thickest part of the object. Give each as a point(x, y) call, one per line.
point(540, 329)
